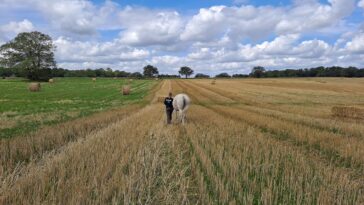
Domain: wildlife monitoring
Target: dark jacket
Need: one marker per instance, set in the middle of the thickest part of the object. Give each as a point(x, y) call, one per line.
point(168, 102)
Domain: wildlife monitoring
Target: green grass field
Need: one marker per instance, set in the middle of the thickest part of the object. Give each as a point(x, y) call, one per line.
point(22, 111)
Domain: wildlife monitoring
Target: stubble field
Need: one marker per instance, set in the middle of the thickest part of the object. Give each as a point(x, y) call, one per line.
point(269, 141)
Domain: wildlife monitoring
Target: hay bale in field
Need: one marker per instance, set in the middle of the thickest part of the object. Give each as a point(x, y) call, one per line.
point(94, 79)
point(213, 82)
point(156, 78)
point(125, 90)
point(348, 112)
point(34, 87)
point(130, 80)
point(51, 81)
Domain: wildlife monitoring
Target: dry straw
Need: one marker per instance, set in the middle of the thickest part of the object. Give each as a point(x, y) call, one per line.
point(51, 81)
point(34, 87)
point(348, 112)
point(125, 90)
point(161, 99)
point(94, 79)
point(213, 82)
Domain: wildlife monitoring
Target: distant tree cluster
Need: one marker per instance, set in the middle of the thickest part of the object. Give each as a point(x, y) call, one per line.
point(334, 71)
point(60, 72)
point(168, 76)
point(223, 75)
point(201, 75)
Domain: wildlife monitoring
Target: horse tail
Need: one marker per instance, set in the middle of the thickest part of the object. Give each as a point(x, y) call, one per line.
point(184, 103)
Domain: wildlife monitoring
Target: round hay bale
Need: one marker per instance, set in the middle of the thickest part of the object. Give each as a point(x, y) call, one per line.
point(125, 90)
point(156, 78)
point(34, 87)
point(51, 81)
point(213, 82)
point(94, 79)
point(130, 80)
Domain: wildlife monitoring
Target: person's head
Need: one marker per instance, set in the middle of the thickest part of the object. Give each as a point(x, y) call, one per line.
point(170, 94)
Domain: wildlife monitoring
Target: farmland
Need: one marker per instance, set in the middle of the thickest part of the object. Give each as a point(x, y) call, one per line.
point(68, 98)
point(253, 141)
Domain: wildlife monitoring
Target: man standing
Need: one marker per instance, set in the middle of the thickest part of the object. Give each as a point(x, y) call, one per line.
point(168, 102)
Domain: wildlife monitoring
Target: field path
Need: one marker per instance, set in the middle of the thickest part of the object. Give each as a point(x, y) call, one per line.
point(227, 153)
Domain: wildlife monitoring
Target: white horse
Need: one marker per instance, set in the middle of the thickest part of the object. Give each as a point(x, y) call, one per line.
point(181, 102)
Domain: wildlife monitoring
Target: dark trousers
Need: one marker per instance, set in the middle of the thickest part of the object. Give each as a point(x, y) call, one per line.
point(169, 112)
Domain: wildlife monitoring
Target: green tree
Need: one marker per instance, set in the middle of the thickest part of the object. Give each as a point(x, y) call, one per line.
point(32, 52)
point(186, 71)
point(257, 72)
point(150, 71)
point(137, 75)
point(223, 75)
point(201, 75)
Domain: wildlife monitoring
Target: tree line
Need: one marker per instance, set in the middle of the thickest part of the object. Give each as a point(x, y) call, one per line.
point(31, 55)
point(44, 74)
point(333, 71)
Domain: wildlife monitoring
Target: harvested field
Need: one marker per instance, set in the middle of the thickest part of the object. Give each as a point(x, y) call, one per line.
point(246, 142)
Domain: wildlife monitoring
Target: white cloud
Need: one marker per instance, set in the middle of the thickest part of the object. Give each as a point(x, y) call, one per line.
point(78, 51)
point(17, 27)
point(206, 25)
point(311, 15)
point(361, 4)
point(215, 39)
point(12, 28)
point(258, 22)
point(356, 45)
point(149, 27)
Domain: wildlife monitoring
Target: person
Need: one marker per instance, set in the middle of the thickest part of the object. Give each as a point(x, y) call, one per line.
point(168, 102)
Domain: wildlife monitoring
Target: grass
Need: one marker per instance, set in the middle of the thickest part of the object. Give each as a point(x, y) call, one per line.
point(246, 142)
point(22, 111)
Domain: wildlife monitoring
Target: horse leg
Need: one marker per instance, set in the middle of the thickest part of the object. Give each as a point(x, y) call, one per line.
point(183, 116)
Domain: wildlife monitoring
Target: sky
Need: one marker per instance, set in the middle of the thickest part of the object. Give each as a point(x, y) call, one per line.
point(210, 36)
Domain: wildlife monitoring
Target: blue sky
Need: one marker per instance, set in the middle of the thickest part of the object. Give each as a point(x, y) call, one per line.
point(210, 36)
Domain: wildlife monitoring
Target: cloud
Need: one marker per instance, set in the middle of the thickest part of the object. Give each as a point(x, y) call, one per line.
point(17, 27)
point(145, 27)
point(214, 39)
point(361, 4)
point(114, 51)
point(10, 29)
point(310, 15)
point(356, 45)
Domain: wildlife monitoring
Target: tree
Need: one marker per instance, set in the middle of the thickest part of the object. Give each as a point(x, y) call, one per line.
point(186, 71)
point(201, 75)
point(32, 52)
point(257, 72)
point(137, 75)
point(223, 75)
point(240, 76)
point(5, 72)
point(150, 71)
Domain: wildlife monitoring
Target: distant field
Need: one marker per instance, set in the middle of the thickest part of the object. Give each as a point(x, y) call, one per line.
point(250, 141)
point(22, 111)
